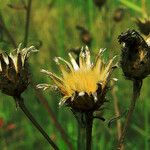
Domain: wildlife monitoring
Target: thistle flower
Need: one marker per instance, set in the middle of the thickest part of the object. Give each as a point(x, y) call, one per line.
point(82, 85)
point(135, 59)
point(14, 73)
point(144, 25)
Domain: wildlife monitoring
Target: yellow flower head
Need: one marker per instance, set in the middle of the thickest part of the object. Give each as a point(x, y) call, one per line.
point(82, 84)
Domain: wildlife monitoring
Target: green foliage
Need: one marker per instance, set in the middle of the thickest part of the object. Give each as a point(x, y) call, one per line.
point(53, 31)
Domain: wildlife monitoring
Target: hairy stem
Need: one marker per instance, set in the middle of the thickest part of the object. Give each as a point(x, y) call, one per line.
point(20, 103)
point(136, 92)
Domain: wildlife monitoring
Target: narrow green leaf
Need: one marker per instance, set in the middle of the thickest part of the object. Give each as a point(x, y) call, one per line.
point(131, 5)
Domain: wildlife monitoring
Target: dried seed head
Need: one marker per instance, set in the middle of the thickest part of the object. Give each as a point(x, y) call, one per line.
point(99, 3)
point(135, 58)
point(85, 35)
point(143, 25)
point(118, 14)
point(84, 84)
point(14, 73)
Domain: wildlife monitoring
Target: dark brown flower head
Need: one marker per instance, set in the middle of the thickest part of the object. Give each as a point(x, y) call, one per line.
point(119, 14)
point(99, 3)
point(82, 85)
point(85, 35)
point(144, 26)
point(135, 58)
point(14, 72)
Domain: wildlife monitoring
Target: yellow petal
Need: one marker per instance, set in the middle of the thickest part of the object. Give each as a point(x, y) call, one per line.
point(54, 77)
point(64, 69)
point(107, 70)
point(66, 62)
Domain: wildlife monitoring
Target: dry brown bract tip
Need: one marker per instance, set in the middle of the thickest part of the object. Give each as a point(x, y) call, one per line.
point(14, 71)
point(143, 25)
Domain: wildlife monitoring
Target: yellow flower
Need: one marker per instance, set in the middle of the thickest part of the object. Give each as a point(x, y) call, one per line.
point(83, 85)
point(14, 73)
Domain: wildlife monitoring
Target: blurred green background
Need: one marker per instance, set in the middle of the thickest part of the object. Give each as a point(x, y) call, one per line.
point(52, 30)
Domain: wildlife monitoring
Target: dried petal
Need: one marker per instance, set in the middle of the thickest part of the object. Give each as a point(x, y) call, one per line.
point(3, 64)
point(74, 63)
point(19, 62)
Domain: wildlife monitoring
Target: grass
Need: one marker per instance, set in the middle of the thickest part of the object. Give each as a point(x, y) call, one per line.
point(55, 28)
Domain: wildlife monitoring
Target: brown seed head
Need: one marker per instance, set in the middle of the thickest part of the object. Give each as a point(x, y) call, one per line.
point(85, 35)
point(118, 14)
point(14, 71)
point(135, 58)
point(144, 26)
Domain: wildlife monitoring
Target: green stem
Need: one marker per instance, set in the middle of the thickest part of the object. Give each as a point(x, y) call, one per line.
point(146, 122)
point(136, 92)
point(89, 119)
point(81, 137)
point(85, 131)
point(20, 102)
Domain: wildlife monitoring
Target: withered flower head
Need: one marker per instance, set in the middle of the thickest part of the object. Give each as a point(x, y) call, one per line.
point(135, 58)
point(99, 3)
point(85, 35)
point(82, 85)
point(118, 14)
point(14, 73)
point(143, 25)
